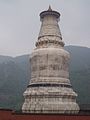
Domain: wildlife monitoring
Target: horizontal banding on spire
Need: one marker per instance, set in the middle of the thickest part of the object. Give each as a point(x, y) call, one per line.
point(50, 85)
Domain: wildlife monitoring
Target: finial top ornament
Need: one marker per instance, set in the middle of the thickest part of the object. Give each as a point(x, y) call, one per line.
point(49, 9)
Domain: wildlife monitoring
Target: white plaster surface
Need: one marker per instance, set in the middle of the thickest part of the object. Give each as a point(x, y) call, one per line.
point(49, 90)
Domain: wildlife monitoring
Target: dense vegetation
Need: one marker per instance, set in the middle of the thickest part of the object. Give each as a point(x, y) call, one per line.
point(15, 74)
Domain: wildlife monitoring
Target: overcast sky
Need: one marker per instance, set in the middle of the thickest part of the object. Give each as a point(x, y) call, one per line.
point(20, 23)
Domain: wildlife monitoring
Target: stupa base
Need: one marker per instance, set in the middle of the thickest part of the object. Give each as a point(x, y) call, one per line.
point(70, 108)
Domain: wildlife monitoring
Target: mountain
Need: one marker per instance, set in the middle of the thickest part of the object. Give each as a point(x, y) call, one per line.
point(5, 59)
point(80, 57)
point(15, 76)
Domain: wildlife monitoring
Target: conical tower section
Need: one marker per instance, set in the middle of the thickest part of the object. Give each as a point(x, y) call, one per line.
point(49, 90)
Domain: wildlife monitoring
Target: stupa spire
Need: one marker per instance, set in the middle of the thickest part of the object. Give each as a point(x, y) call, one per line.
point(49, 31)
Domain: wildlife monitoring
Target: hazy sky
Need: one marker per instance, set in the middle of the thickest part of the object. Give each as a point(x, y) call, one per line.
point(20, 23)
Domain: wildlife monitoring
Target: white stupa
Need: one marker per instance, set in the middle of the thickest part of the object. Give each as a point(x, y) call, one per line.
point(49, 90)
